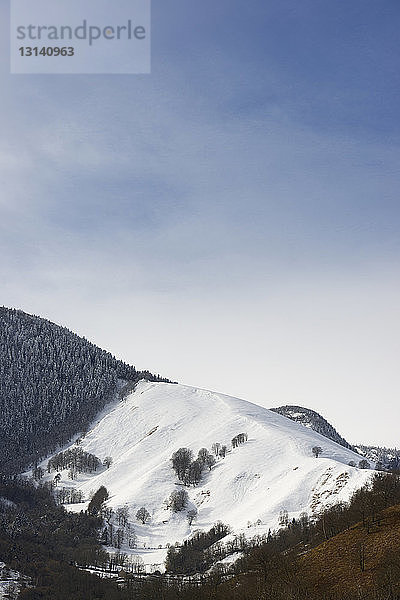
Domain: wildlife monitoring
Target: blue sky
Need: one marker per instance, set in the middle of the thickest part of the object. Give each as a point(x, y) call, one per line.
point(232, 219)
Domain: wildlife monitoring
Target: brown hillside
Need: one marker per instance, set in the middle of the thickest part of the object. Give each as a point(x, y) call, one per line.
point(335, 567)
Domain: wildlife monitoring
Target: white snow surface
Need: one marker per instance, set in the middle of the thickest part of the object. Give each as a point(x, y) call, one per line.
point(274, 470)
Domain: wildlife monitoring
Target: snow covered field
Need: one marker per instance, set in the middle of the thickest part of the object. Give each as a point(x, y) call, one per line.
point(274, 470)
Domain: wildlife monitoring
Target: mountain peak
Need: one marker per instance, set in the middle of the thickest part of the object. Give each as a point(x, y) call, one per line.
point(312, 419)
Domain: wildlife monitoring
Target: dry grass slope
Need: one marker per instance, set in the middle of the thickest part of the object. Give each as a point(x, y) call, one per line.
point(353, 562)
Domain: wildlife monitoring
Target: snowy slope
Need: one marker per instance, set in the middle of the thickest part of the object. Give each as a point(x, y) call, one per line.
point(273, 471)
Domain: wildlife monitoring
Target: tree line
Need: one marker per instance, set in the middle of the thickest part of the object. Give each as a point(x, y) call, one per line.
point(75, 460)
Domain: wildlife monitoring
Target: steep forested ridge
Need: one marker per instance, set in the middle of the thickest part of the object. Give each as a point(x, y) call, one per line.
point(386, 458)
point(52, 384)
point(312, 419)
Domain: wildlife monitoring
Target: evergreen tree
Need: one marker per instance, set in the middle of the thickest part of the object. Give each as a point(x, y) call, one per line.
point(97, 502)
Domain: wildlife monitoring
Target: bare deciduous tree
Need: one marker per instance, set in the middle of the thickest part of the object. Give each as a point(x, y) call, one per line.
point(107, 462)
point(181, 460)
point(223, 451)
point(178, 500)
point(316, 450)
point(191, 515)
point(210, 461)
point(122, 515)
point(216, 448)
point(143, 515)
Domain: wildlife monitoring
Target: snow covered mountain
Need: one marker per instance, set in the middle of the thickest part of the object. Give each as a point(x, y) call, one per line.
point(273, 471)
point(312, 419)
point(386, 458)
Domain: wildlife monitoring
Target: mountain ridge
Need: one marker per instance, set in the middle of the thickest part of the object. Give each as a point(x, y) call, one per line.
point(384, 458)
point(313, 419)
point(52, 385)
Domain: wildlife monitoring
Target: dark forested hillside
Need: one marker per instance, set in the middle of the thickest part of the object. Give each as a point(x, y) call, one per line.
point(43, 541)
point(52, 384)
point(310, 418)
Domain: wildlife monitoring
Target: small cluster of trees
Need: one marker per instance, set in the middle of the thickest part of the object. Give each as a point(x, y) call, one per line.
point(241, 438)
point(363, 464)
point(190, 471)
point(283, 518)
point(122, 515)
point(107, 462)
point(204, 549)
point(74, 459)
point(115, 536)
point(67, 495)
point(118, 529)
point(219, 450)
point(37, 473)
point(178, 501)
point(191, 515)
point(130, 564)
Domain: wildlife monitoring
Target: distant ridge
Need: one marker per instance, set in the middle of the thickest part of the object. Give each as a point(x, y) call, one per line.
point(310, 418)
point(384, 458)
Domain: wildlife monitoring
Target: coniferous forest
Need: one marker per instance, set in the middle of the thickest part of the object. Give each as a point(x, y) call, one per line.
point(52, 385)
